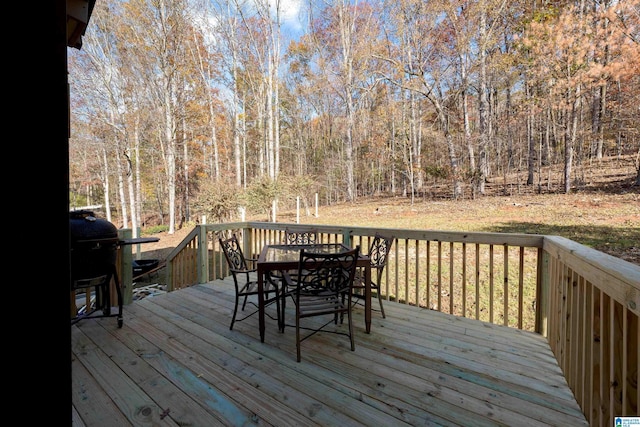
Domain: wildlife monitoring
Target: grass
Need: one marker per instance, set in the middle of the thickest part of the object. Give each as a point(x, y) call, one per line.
point(431, 276)
point(608, 222)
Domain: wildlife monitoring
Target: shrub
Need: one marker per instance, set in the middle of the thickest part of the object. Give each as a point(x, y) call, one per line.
point(155, 229)
point(219, 201)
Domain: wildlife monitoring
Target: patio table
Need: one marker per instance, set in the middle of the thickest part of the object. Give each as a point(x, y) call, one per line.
point(286, 257)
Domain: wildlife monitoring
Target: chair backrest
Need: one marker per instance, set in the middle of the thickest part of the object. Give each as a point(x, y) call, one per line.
point(379, 252)
point(326, 274)
point(233, 253)
point(300, 237)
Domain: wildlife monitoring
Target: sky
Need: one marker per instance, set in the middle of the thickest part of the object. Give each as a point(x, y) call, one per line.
point(291, 17)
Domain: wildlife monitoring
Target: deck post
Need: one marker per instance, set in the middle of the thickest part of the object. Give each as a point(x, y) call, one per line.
point(346, 237)
point(125, 267)
point(203, 255)
point(246, 242)
point(543, 283)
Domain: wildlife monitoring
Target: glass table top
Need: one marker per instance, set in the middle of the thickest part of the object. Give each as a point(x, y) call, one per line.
point(283, 253)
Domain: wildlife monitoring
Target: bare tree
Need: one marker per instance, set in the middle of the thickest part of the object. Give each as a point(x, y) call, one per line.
point(110, 111)
point(423, 67)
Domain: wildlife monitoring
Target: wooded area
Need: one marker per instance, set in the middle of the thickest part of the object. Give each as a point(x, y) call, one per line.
point(181, 108)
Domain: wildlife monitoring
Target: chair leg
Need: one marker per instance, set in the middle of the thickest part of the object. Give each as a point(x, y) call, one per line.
point(235, 311)
point(281, 296)
point(284, 303)
point(380, 301)
point(278, 310)
point(351, 338)
point(299, 356)
point(282, 307)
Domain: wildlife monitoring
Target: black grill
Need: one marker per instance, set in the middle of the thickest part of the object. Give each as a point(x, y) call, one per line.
point(94, 246)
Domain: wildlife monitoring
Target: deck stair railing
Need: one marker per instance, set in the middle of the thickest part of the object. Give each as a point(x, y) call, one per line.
point(586, 303)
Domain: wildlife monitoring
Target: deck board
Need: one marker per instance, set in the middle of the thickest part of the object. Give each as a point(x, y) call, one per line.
point(175, 362)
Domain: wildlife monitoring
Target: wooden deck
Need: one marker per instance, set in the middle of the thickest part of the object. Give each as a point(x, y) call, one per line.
point(176, 363)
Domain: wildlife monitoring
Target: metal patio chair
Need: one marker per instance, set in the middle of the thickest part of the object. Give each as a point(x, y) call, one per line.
point(246, 281)
point(378, 255)
point(320, 283)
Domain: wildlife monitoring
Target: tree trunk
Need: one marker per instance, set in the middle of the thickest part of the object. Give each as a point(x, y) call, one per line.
point(483, 107)
point(170, 141)
point(570, 138)
point(531, 140)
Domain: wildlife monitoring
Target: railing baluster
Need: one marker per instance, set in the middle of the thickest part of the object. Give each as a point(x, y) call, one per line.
point(464, 279)
point(417, 273)
point(428, 274)
point(477, 281)
point(520, 286)
point(439, 289)
point(451, 278)
point(491, 289)
point(506, 284)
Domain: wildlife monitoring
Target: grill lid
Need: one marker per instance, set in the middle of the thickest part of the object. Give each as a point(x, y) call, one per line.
point(94, 244)
point(84, 227)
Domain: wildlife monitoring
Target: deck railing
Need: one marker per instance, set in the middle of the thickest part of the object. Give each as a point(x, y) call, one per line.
point(591, 321)
point(586, 303)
